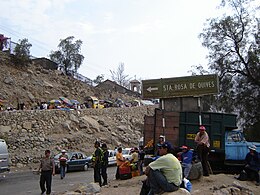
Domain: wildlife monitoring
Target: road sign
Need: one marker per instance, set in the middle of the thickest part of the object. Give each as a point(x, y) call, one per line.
point(180, 86)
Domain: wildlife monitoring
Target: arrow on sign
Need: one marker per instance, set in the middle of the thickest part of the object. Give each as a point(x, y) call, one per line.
point(150, 89)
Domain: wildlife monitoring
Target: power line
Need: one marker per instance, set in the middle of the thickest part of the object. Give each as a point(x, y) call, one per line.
point(18, 35)
point(95, 68)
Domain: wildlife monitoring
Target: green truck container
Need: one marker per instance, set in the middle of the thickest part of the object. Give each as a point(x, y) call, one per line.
point(180, 128)
point(216, 125)
point(228, 145)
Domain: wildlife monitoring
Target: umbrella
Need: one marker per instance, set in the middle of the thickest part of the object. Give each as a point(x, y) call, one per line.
point(55, 102)
point(74, 101)
point(65, 100)
point(2, 102)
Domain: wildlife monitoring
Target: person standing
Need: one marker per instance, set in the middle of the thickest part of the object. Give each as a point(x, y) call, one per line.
point(104, 164)
point(97, 160)
point(141, 160)
point(63, 163)
point(119, 161)
point(47, 170)
point(135, 159)
point(203, 144)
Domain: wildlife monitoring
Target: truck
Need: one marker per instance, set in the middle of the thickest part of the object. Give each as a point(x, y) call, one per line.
point(93, 102)
point(228, 145)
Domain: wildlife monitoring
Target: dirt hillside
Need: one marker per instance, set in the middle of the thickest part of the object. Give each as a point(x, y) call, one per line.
point(32, 84)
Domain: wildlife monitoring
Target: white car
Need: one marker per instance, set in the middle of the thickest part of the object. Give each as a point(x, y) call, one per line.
point(127, 153)
point(111, 157)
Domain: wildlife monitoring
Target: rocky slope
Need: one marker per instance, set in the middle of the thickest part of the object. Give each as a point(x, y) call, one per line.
point(29, 132)
point(32, 84)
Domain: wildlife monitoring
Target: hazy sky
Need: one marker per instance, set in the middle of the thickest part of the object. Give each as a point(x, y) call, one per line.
point(153, 38)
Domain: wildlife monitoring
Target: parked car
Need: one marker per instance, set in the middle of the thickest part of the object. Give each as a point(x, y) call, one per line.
point(4, 159)
point(127, 153)
point(111, 157)
point(76, 161)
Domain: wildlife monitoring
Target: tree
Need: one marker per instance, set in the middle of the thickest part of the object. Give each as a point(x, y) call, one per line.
point(68, 56)
point(233, 43)
point(119, 76)
point(22, 52)
point(99, 79)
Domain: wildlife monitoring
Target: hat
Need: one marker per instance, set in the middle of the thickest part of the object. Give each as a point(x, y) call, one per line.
point(184, 147)
point(165, 145)
point(63, 151)
point(161, 136)
point(252, 147)
point(97, 143)
point(203, 128)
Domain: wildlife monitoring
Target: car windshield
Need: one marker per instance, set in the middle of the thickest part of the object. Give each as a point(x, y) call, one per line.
point(125, 151)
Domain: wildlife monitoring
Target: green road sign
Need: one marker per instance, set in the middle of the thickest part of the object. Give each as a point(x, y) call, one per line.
point(180, 86)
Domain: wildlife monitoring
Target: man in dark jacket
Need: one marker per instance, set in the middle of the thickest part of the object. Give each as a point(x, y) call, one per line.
point(104, 164)
point(97, 160)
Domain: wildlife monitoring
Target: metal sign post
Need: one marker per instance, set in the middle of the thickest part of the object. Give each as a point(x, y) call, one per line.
point(163, 119)
point(200, 121)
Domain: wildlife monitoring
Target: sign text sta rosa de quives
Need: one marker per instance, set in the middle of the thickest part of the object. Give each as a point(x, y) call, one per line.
point(180, 86)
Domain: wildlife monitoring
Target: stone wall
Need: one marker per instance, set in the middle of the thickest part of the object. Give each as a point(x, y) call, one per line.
point(28, 133)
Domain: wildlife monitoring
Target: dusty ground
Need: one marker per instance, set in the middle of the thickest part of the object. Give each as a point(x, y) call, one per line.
point(204, 186)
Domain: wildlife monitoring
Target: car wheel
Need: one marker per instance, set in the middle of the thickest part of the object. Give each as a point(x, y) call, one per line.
point(85, 168)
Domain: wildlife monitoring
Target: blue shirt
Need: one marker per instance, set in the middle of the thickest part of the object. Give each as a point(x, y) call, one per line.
point(186, 157)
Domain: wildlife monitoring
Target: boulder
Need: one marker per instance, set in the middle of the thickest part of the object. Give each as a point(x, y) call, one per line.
point(92, 123)
point(30, 95)
point(196, 171)
point(74, 118)
point(5, 129)
point(9, 80)
point(93, 188)
point(27, 125)
point(72, 193)
point(46, 84)
point(181, 191)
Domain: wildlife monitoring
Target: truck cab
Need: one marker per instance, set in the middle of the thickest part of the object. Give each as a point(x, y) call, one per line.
point(236, 147)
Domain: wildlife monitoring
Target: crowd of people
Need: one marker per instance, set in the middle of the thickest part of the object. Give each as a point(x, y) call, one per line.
point(167, 173)
point(41, 106)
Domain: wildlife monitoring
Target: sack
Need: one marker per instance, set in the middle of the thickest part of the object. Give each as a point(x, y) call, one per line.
point(125, 172)
point(242, 176)
point(125, 176)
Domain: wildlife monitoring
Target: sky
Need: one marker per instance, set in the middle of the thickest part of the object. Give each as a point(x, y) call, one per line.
point(153, 38)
